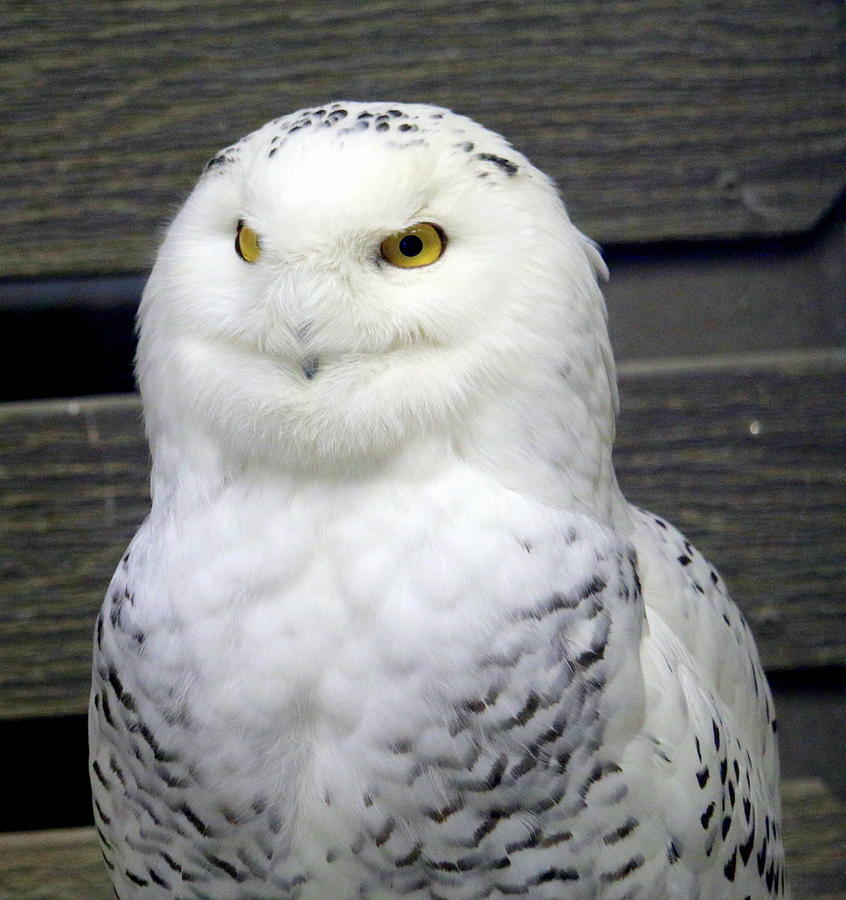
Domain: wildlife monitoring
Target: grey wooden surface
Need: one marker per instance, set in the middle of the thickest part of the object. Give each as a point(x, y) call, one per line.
point(815, 840)
point(659, 120)
point(746, 456)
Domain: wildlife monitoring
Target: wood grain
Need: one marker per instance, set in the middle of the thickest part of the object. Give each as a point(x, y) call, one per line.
point(66, 864)
point(659, 119)
point(75, 479)
point(815, 840)
point(746, 458)
point(750, 464)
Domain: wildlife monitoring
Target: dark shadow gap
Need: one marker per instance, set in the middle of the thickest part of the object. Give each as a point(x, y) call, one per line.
point(48, 781)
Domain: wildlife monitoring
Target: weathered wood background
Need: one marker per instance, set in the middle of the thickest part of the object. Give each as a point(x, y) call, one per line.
point(702, 141)
point(660, 119)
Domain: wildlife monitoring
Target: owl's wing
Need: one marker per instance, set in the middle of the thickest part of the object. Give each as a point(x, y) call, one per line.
point(710, 716)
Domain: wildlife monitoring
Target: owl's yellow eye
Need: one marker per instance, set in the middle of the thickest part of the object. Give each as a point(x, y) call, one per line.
point(247, 244)
point(418, 245)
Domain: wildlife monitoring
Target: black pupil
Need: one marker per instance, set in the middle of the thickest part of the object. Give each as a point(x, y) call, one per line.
point(411, 245)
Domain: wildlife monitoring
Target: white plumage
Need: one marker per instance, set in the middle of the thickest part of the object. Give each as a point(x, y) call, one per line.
point(390, 629)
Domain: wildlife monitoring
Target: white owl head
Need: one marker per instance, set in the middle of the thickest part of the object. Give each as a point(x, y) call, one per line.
point(353, 281)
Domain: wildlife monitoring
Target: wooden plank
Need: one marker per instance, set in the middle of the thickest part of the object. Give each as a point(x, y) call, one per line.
point(659, 119)
point(66, 865)
point(75, 478)
point(815, 840)
point(746, 457)
point(749, 461)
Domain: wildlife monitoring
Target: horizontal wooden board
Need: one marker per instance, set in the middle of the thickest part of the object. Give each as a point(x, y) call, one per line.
point(658, 119)
point(66, 864)
point(815, 840)
point(746, 457)
point(750, 464)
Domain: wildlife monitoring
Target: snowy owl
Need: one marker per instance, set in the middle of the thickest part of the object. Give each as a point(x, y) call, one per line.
point(391, 629)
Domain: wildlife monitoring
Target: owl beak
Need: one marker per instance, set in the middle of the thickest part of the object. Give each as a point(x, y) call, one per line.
point(310, 365)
